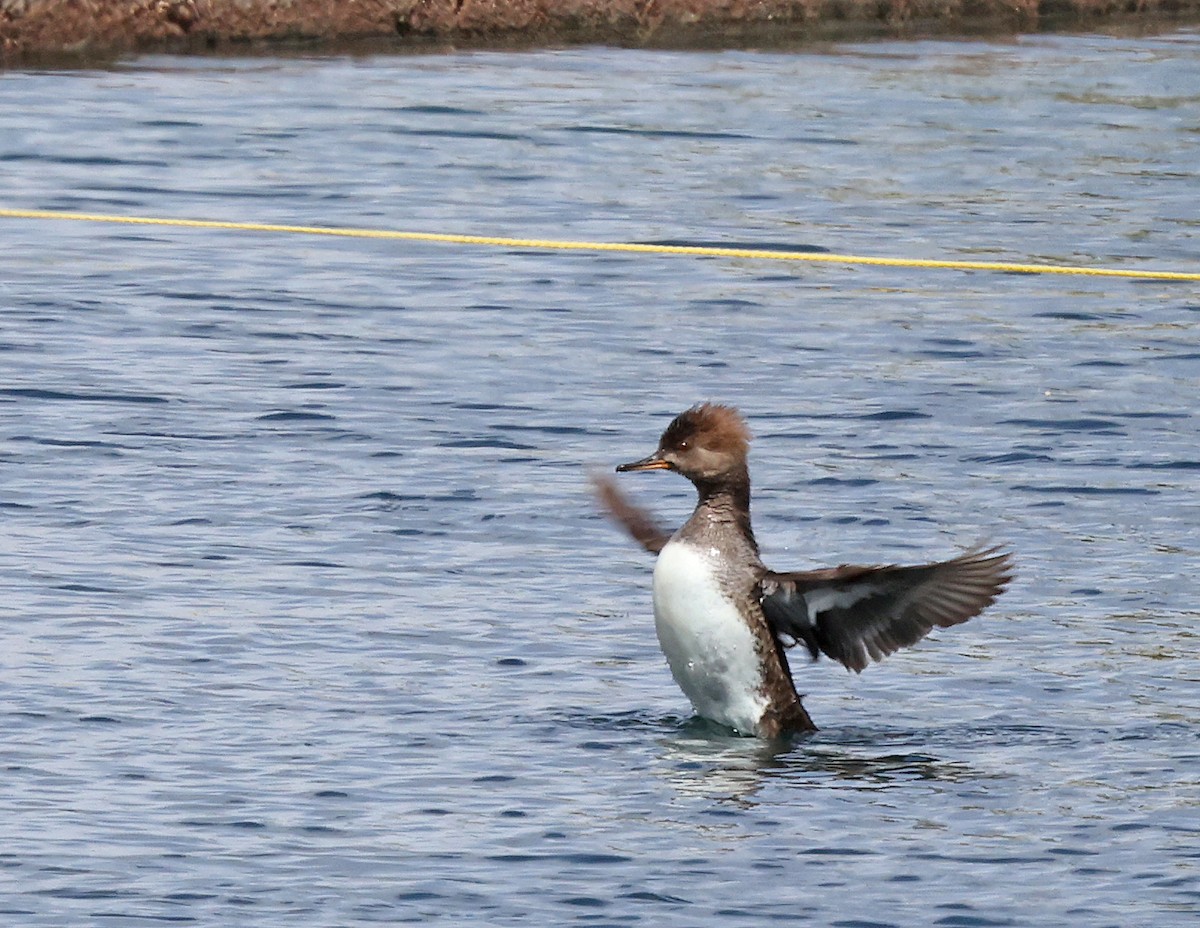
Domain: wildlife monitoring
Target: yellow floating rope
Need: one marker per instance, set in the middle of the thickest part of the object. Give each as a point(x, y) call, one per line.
point(634, 247)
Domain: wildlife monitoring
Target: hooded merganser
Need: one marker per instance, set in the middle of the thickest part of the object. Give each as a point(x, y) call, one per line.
point(724, 619)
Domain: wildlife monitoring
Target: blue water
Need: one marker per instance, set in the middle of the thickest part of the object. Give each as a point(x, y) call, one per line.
point(309, 617)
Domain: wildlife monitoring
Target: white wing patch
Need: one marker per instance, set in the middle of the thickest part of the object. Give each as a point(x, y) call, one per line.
point(823, 600)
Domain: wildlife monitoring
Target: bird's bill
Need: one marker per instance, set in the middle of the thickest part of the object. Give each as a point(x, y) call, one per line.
point(653, 462)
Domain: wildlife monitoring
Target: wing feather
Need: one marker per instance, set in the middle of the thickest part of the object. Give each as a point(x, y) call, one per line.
point(856, 615)
point(639, 523)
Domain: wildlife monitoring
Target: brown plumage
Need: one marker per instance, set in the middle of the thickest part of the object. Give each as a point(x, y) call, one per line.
point(852, 614)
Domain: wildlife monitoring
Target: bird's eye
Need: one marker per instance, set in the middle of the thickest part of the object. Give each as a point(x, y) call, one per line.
point(684, 445)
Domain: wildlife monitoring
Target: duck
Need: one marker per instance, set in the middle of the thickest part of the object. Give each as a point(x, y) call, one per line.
point(725, 621)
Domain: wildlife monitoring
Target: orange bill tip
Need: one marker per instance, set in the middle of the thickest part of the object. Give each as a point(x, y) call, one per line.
point(654, 462)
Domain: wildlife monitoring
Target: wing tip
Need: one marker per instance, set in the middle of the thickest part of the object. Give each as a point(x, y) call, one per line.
point(997, 559)
point(975, 579)
point(637, 522)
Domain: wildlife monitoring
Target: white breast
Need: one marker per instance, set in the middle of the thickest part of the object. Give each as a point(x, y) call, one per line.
point(709, 646)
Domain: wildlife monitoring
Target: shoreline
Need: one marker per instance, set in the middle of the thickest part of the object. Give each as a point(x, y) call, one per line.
point(100, 30)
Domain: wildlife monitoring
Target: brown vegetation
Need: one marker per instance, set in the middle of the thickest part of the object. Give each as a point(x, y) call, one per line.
point(89, 27)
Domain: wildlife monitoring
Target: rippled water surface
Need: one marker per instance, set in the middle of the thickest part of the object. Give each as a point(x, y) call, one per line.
point(309, 618)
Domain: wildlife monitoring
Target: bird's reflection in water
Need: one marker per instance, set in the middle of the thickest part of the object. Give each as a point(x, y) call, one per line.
point(701, 758)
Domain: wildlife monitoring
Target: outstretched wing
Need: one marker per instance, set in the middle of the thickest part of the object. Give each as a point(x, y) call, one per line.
point(859, 614)
point(635, 520)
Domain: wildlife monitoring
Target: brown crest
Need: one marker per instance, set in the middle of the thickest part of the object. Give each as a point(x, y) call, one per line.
point(711, 426)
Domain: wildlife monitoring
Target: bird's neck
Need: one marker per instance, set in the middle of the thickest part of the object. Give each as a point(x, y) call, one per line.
point(726, 499)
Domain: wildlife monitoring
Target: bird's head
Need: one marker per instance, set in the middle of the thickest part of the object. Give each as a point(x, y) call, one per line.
point(707, 444)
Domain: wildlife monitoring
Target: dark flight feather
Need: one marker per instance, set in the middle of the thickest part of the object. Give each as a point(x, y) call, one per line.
point(856, 615)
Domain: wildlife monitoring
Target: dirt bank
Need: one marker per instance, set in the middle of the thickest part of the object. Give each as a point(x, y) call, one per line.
point(95, 28)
